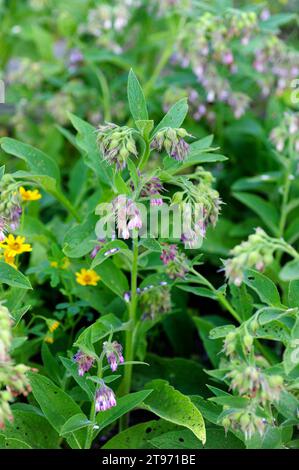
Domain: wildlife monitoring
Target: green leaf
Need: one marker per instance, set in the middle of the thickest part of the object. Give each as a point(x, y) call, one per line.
point(75, 423)
point(263, 286)
point(185, 375)
point(221, 331)
point(185, 439)
point(30, 428)
point(56, 405)
point(50, 363)
point(264, 209)
point(290, 271)
point(86, 385)
point(140, 435)
point(100, 329)
point(212, 346)
point(124, 405)
point(136, 98)
point(291, 353)
point(293, 294)
point(13, 277)
point(43, 169)
point(87, 141)
point(81, 238)
point(168, 403)
point(175, 116)
point(145, 127)
point(113, 277)
point(104, 254)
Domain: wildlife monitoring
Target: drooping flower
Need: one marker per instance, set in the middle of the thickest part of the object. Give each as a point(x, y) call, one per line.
point(87, 277)
point(153, 189)
point(172, 140)
point(255, 252)
point(127, 216)
point(155, 301)
point(105, 398)
point(15, 245)
point(29, 195)
point(114, 354)
point(175, 261)
point(116, 144)
point(84, 361)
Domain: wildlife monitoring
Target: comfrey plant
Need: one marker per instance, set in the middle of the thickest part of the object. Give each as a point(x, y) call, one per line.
point(120, 259)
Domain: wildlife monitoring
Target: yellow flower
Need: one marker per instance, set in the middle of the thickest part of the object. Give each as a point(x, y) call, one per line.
point(29, 195)
point(15, 246)
point(65, 263)
point(9, 259)
point(87, 277)
point(49, 338)
point(54, 264)
point(52, 325)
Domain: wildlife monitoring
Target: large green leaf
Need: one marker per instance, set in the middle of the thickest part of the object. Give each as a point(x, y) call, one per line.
point(57, 406)
point(264, 209)
point(99, 330)
point(42, 168)
point(13, 277)
point(170, 404)
point(263, 286)
point(87, 141)
point(290, 271)
point(136, 99)
point(32, 429)
point(140, 435)
point(80, 239)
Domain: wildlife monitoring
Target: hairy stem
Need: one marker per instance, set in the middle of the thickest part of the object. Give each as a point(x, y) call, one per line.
point(129, 341)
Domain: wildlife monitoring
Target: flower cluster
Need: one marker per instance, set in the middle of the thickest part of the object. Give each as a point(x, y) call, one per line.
point(244, 420)
point(172, 141)
point(126, 215)
point(287, 132)
point(200, 205)
point(13, 380)
point(10, 205)
point(104, 397)
point(175, 261)
point(113, 351)
point(153, 189)
point(84, 361)
point(255, 252)
point(155, 301)
point(251, 382)
point(116, 144)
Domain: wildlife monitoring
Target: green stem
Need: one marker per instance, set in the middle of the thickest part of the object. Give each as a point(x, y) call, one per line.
point(227, 305)
point(129, 341)
point(285, 198)
point(67, 204)
point(92, 416)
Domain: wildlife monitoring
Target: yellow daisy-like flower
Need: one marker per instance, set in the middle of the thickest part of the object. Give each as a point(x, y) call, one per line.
point(87, 277)
point(29, 195)
point(54, 264)
point(9, 259)
point(15, 246)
